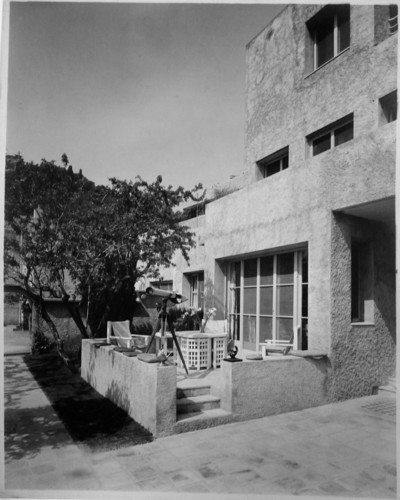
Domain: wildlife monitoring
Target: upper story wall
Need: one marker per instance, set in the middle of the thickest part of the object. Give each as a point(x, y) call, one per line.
point(287, 101)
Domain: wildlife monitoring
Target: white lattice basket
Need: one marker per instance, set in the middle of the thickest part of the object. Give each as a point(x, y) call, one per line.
point(219, 351)
point(196, 352)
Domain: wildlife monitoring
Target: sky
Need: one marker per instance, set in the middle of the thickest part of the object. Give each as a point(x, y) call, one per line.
point(127, 89)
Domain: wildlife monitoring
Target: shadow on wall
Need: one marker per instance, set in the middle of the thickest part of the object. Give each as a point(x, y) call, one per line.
point(88, 417)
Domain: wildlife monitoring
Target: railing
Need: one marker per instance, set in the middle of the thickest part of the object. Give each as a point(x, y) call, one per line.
point(393, 25)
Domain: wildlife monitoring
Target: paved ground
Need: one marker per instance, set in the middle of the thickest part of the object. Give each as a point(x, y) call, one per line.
point(16, 341)
point(342, 450)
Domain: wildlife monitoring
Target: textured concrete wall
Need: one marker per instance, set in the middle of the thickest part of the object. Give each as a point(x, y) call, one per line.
point(286, 102)
point(274, 385)
point(362, 355)
point(146, 391)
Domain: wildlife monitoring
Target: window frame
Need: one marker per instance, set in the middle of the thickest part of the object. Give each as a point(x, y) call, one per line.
point(329, 12)
point(330, 130)
point(268, 161)
point(195, 289)
point(237, 314)
point(362, 282)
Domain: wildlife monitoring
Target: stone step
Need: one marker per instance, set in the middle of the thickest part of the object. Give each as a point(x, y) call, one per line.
point(187, 422)
point(191, 391)
point(197, 404)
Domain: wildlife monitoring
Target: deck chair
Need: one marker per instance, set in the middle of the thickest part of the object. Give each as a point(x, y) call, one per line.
point(119, 332)
point(278, 346)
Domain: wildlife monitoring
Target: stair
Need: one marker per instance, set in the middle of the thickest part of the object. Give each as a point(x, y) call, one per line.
point(197, 408)
point(389, 389)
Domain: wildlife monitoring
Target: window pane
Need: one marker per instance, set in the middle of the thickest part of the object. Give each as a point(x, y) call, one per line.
point(266, 300)
point(237, 273)
point(250, 272)
point(304, 301)
point(304, 263)
point(266, 270)
point(265, 329)
point(235, 326)
point(272, 168)
point(321, 144)
point(284, 328)
point(249, 300)
point(285, 162)
point(344, 29)
point(284, 301)
point(285, 268)
point(249, 332)
point(389, 107)
point(343, 134)
point(324, 41)
point(237, 300)
point(304, 334)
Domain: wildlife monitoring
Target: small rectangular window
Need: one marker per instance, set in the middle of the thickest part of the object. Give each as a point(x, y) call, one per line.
point(329, 31)
point(343, 134)
point(362, 303)
point(274, 163)
point(322, 144)
point(331, 136)
point(388, 108)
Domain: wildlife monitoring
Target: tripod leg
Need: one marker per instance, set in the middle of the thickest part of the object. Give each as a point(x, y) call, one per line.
point(178, 348)
point(155, 330)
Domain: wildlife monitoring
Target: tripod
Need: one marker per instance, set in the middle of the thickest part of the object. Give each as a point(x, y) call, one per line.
point(164, 318)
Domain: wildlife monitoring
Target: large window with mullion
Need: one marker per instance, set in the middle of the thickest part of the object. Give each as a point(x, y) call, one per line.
point(268, 299)
point(330, 32)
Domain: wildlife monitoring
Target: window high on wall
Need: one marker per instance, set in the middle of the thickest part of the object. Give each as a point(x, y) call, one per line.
point(329, 31)
point(274, 163)
point(331, 136)
point(388, 108)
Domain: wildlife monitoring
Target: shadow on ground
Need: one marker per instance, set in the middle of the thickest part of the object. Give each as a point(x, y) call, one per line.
point(89, 418)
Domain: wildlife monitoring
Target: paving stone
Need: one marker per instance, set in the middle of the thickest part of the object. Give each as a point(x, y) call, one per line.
point(184, 477)
point(208, 471)
point(333, 488)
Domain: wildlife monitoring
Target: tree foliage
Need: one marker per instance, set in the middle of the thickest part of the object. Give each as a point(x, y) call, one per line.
point(105, 238)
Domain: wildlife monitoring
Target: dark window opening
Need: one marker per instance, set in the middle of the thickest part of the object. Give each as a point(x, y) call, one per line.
point(329, 31)
point(388, 108)
point(274, 163)
point(331, 136)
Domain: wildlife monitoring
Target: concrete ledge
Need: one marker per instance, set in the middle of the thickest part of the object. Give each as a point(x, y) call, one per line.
point(146, 391)
point(277, 384)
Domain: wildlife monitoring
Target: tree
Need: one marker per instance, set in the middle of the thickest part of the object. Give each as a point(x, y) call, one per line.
point(105, 237)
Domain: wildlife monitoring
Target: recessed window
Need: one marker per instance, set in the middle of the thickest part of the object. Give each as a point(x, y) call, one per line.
point(329, 31)
point(331, 136)
point(274, 163)
point(362, 304)
point(268, 299)
point(388, 108)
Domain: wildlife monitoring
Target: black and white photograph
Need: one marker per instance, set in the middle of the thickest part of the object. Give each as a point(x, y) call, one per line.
point(199, 249)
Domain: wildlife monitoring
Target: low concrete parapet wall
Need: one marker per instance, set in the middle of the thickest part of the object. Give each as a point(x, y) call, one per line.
point(146, 391)
point(276, 384)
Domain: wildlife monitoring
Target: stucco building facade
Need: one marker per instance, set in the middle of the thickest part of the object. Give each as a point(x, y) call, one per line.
point(304, 249)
